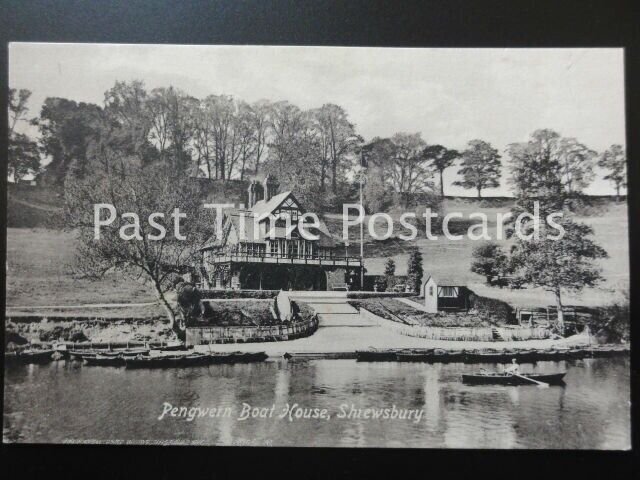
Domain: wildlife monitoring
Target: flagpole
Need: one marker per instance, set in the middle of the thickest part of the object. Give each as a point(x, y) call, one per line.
point(361, 227)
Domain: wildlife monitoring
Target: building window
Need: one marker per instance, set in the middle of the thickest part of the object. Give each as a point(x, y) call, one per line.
point(449, 292)
point(274, 247)
point(431, 291)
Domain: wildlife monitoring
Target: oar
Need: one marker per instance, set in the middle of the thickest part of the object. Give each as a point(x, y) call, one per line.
point(540, 384)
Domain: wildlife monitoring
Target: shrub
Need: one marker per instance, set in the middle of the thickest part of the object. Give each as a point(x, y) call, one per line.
point(356, 295)
point(495, 311)
point(611, 323)
point(239, 294)
point(490, 261)
point(78, 336)
point(245, 313)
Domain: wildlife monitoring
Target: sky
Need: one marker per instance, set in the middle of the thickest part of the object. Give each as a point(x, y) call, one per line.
point(450, 96)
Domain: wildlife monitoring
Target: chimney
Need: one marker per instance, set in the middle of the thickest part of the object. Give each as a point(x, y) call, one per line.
point(270, 187)
point(256, 193)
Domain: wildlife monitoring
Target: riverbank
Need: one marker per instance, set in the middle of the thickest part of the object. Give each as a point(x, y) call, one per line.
point(103, 330)
point(329, 341)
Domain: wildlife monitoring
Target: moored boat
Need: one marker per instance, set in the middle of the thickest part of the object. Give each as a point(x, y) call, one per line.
point(29, 356)
point(378, 354)
point(320, 356)
point(487, 378)
point(105, 360)
point(92, 353)
point(237, 357)
point(172, 347)
point(192, 359)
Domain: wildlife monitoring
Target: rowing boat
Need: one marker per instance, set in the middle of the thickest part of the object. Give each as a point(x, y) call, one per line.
point(29, 356)
point(193, 359)
point(388, 355)
point(510, 379)
point(104, 360)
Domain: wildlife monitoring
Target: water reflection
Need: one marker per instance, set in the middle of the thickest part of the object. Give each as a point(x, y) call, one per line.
point(61, 402)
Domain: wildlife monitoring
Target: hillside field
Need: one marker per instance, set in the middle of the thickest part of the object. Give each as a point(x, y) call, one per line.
point(39, 260)
point(453, 257)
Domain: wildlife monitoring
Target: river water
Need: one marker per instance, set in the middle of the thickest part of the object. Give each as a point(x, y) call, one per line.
point(67, 402)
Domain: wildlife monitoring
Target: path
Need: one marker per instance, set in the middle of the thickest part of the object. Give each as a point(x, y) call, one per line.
point(46, 208)
point(86, 305)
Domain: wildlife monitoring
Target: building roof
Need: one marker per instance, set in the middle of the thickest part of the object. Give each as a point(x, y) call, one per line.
point(232, 218)
point(447, 279)
point(261, 207)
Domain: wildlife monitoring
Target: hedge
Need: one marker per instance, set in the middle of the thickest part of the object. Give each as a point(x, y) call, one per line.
point(207, 294)
point(495, 311)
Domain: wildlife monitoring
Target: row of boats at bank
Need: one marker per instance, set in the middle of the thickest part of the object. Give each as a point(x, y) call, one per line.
point(488, 355)
point(132, 357)
point(188, 359)
point(180, 356)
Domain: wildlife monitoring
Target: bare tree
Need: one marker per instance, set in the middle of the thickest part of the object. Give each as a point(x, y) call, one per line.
point(171, 114)
point(338, 139)
point(259, 114)
point(410, 172)
point(130, 244)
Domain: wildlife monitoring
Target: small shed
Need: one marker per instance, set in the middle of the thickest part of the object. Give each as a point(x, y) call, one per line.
point(445, 292)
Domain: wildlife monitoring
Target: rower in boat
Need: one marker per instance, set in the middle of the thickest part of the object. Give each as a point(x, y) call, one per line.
point(514, 368)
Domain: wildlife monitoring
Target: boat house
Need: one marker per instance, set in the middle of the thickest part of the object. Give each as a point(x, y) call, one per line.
point(445, 293)
point(256, 249)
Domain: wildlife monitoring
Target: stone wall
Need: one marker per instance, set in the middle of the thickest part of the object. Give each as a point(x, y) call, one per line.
point(275, 333)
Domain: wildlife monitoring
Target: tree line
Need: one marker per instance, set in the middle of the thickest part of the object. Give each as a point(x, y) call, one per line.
point(317, 152)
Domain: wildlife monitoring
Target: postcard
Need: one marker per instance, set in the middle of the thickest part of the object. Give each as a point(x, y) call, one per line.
point(317, 246)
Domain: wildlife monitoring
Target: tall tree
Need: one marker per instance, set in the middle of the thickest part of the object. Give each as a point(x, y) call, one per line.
point(338, 138)
point(614, 161)
point(440, 158)
point(410, 172)
point(293, 152)
point(23, 155)
point(480, 167)
point(172, 115)
point(550, 169)
point(558, 264)
point(378, 191)
point(259, 113)
point(18, 109)
point(415, 270)
point(245, 136)
point(66, 131)
point(127, 106)
point(576, 165)
point(221, 112)
point(389, 273)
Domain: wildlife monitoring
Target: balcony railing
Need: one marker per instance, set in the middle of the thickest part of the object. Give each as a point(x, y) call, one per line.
point(273, 258)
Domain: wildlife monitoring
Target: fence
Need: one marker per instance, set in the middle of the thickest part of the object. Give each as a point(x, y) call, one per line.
point(524, 333)
point(549, 315)
point(271, 333)
point(478, 334)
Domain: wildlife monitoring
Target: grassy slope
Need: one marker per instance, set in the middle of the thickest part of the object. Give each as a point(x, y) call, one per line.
point(38, 262)
point(38, 259)
point(30, 207)
point(610, 223)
